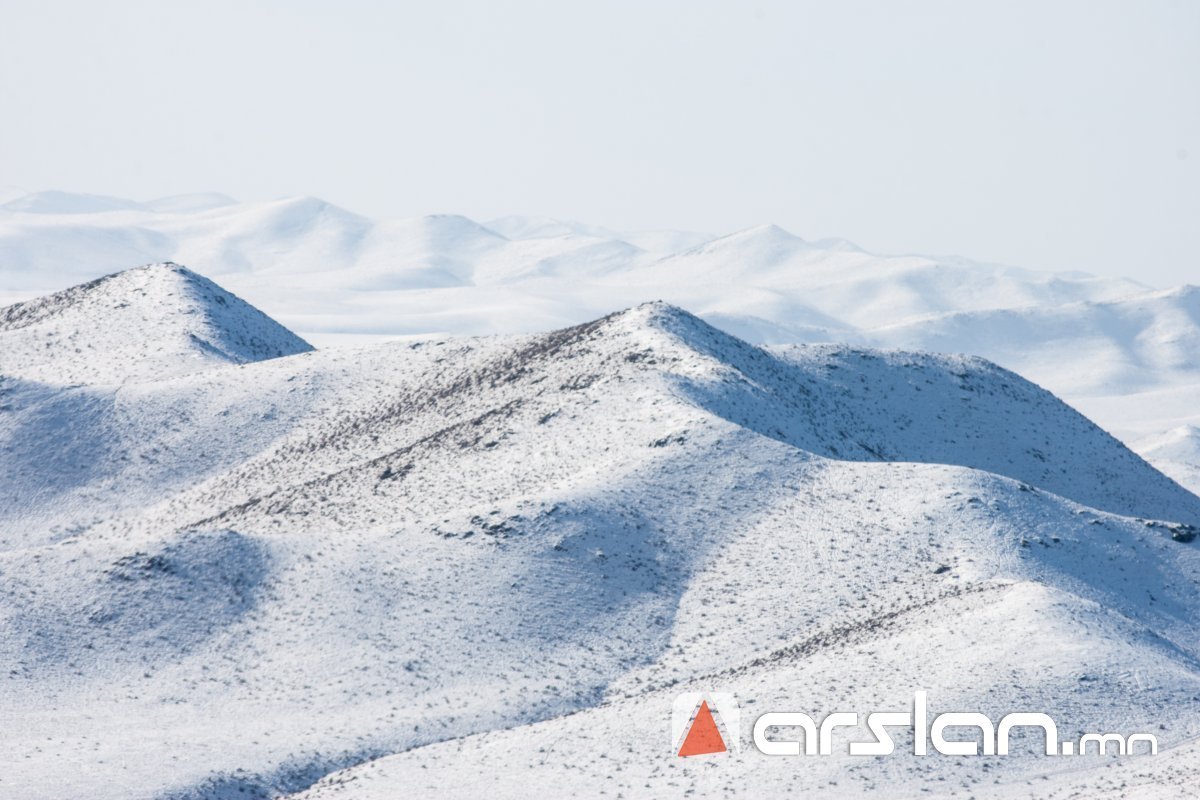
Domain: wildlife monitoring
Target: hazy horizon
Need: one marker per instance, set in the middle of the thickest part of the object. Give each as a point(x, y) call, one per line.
point(1057, 138)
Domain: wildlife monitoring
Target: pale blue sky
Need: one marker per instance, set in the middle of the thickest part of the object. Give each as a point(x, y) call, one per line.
point(1057, 135)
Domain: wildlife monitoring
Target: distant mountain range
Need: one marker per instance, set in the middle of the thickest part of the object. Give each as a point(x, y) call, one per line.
point(231, 565)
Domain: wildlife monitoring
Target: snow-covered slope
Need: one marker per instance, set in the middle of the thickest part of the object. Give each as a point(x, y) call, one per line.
point(1177, 453)
point(147, 323)
point(1107, 345)
point(860, 288)
point(254, 575)
point(1138, 343)
point(1131, 364)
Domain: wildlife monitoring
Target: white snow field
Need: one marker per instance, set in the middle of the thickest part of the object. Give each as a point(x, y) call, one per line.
point(1123, 353)
point(234, 567)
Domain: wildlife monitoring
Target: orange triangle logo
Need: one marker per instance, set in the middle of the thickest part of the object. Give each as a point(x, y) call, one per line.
point(702, 737)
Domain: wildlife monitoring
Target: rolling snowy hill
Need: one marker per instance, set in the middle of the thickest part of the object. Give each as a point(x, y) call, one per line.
point(466, 565)
point(1115, 349)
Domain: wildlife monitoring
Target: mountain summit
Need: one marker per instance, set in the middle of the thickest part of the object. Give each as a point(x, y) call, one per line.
point(145, 323)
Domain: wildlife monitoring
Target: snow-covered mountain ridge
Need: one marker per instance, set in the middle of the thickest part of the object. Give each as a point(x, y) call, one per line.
point(233, 581)
point(1116, 349)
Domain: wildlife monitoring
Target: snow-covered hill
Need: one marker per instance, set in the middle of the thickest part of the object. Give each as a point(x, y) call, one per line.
point(1131, 364)
point(855, 287)
point(501, 558)
point(1176, 453)
point(1106, 345)
point(148, 323)
point(1146, 341)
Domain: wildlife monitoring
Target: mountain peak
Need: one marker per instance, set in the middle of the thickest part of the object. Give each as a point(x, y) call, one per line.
point(657, 309)
point(156, 320)
point(769, 229)
point(767, 232)
point(661, 316)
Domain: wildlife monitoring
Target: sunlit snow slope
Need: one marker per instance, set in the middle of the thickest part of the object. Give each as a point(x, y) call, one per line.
point(457, 566)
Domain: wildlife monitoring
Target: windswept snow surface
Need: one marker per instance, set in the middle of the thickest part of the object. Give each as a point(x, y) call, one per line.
point(455, 566)
point(1119, 351)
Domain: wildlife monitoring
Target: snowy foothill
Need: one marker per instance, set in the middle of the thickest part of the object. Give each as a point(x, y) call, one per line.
point(232, 565)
